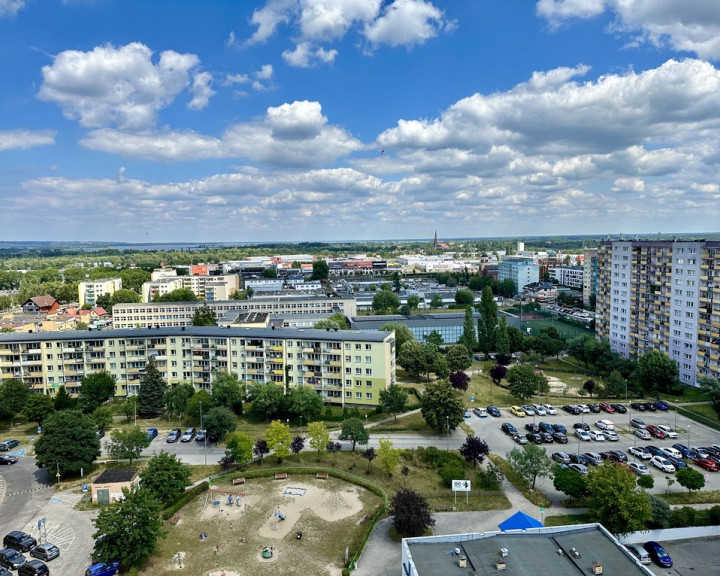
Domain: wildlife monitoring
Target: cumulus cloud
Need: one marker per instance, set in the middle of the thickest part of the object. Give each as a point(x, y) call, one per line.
point(305, 56)
point(685, 26)
point(121, 86)
point(9, 8)
point(405, 23)
point(23, 139)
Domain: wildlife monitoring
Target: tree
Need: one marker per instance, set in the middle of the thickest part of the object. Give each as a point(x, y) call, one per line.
point(269, 273)
point(394, 399)
point(464, 297)
point(570, 482)
point(615, 385)
point(219, 421)
point(396, 281)
point(589, 386)
point(458, 358)
point(278, 439)
point(497, 373)
point(413, 357)
point(306, 403)
point(385, 302)
point(459, 381)
point(438, 362)
point(434, 338)
point(354, 430)
point(179, 295)
point(63, 400)
point(615, 500)
point(410, 513)
point(240, 447)
point(151, 393)
point(123, 296)
point(474, 450)
point(507, 288)
point(128, 444)
point(436, 302)
point(319, 436)
point(369, 454)
point(531, 462)
point(487, 324)
point(710, 387)
point(38, 407)
point(204, 316)
point(402, 334)
point(192, 407)
point(340, 319)
point(502, 339)
point(515, 338)
point(165, 477)
point(442, 405)
point(524, 383)
point(413, 302)
point(660, 512)
point(656, 372)
point(296, 446)
point(646, 482)
point(326, 324)
point(389, 456)
point(261, 448)
point(102, 417)
point(128, 531)
point(321, 270)
point(68, 442)
point(96, 389)
point(228, 392)
point(468, 338)
point(176, 400)
point(133, 279)
point(267, 400)
point(690, 478)
point(13, 395)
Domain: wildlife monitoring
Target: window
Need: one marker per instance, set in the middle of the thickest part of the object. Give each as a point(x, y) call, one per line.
point(368, 395)
point(368, 371)
point(368, 359)
point(358, 395)
point(358, 359)
point(358, 371)
point(368, 383)
point(348, 394)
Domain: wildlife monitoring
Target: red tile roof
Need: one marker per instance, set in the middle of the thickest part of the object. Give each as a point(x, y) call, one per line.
point(45, 301)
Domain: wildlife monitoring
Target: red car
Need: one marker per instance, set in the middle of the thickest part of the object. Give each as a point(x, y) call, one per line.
point(707, 464)
point(657, 432)
point(605, 407)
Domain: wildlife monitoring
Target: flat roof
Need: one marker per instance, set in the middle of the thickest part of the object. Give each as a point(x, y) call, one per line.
point(112, 476)
point(529, 553)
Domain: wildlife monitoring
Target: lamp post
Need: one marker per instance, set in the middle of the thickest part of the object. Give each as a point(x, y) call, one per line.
point(447, 421)
point(204, 434)
point(688, 435)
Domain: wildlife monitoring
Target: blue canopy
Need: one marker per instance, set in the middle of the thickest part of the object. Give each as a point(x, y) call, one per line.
point(520, 521)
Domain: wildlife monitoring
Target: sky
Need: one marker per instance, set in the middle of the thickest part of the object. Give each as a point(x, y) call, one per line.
point(320, 120)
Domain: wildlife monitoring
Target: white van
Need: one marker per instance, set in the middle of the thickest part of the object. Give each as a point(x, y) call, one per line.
point(639, 553)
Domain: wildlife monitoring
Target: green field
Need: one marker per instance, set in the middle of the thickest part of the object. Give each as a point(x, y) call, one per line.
point(565, 330)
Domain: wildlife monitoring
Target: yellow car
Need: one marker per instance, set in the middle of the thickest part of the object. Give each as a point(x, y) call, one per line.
point(517, 411)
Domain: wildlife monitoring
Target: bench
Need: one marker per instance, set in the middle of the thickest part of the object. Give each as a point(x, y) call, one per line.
point(444, 508)
point(321, 475)
point(237, 481)
point(281, 476)
point(175, 519)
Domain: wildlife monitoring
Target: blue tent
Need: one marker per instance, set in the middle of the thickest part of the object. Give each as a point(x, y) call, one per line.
point(520, 521)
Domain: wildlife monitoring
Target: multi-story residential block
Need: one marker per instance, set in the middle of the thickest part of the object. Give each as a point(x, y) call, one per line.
point(162, 314)
point(90, 290)
point(662, 296)
point(590, 275)
point(522, 271)
point(345, 367)
point(571, 276)
point(204, 287)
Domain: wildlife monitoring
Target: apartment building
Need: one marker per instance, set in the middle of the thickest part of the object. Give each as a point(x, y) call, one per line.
point(90, 290)
point(590, 274)
point(571, 276)
point(204, 287)
point(345, 367)
point(166, 314)
point(522, 271)
point(662, 296)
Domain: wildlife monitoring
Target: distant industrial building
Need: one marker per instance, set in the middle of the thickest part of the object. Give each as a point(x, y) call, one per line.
point(449, 326)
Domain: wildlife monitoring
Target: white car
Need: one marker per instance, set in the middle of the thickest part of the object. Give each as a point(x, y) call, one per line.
point(699, 451)
point(584, 407)
point(550, 409)
point(662, 464)
point(539, 410)
point(640, 452)
point(639, 469)
point(596, 435)
point(605, 425)
point(669, 432)
point(672, 452)
point(583, 435)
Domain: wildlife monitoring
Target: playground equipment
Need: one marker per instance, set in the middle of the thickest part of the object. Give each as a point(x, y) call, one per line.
point(267, 552)
point(215, 496)
point(279, 514)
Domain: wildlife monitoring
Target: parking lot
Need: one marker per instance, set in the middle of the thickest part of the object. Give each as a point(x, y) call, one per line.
point(689, 433)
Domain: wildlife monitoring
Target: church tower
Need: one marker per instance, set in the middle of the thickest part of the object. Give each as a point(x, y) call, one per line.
point(435, 241)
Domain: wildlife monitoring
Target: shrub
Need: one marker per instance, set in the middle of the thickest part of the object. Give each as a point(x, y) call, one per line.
point(681, 517)
point(490, 479)
point(452, 471)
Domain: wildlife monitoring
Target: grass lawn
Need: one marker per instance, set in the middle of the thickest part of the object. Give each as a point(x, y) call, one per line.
point(702, 413)
point(567, 520)
point(696, 497)
point(565, 330)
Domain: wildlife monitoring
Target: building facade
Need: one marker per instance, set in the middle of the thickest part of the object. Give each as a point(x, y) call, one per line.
point(571, 276)
point(204, 287)
point(345, 367)
point(662, 296)
point(90, 290)
point(590, 275)
point(522, 271)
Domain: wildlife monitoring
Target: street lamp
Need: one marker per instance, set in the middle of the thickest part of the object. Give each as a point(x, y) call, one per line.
point(447, 420)
point(204, 434)
point(688, 435)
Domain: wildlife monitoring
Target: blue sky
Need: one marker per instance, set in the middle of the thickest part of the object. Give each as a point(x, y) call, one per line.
point(357, 119)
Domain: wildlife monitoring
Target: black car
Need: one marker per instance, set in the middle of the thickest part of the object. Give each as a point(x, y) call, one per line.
point(581, 426)
point(560, 438)
point(654, 450)
point(11, 559)
point(535, 438)
point(19, 541)
point(579, 459)
point(34, 568)
point(572, 409)
point(595, 409)
point(8, 445)
point(494, 411)
point(619, 408)
point(532, 428)
point(546, 437)
point(559, 428)
point(546, 427)
point(620, 456)
point(100, 433)
point(5, 459)
point(508, 428)
point(639, 406)
point(174, 435)
point(650, 406)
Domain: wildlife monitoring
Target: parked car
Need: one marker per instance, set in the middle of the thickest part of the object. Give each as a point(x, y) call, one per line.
point(34, 568)
point(559, 428)
point(596, 435)
point(550, 409)
point(572, 409)
point(508, 428)
point(151, 433)
point(479, 412)
point(650, 406)
point(672, 452)
point(529, 410)
point(658, 554)
point(619, 408)
point(6, 445)
point(593, 458)
point(103, 569)
point(594, 408)
point(660, 405)
point(640, 452)
point(663, 464)
point(539, 409)
point(642, 434)
point(620, 456)
point(677, 462)
point(201, 436)
point(639, 406)
point(581, 426)
point(578, 459)
point(684, 450)
point(637, 423)
point(546, 427)
point(699, 451)
point(5, 572)
point(517, 411)
point(174, 435)
point(584, 408)
point(494, 411)
point(579, 468)
point(582, 435)
point(605, 407)
point(468, 414)
point(654, 450)
point(656, 432)
point(561, 457)
point(11, 559)
point(706, 463)
point(546, 437)
point(605, 425)
point(8, 459)
point(560, 437)
point(639, 468)
point(640, 553)
point(100, 433)
point(535, 438)
point(19, 541)
point(45, 552)
point(520, 438)
point(610, 435)
point(532, 428)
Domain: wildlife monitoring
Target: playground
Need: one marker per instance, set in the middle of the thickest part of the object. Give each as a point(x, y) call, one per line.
point(298, 525)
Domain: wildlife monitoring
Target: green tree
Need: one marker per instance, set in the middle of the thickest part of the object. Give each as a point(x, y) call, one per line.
point(690, 478)
point(369, 454)
point(442, 405)
point(128, 408)
point(710, 387)
point(468, 338)
point(647, 482)
point(615, 500)
point(128, 443)
point(464, 297)
point(199, 399)
point(413, 302)
point(151, 392)
point(63, 400)
point(204, 316)
point(396, 281)
point(321, 270)
point(615, 385)
point(102, 417)
point(410, 513)
point(660, 512)
point(389, 456)
point(96, 389)
point(516, 339)
point(570, 482)
point(656, 372)
point(123, 296)
point(487, 323)
point(413, 357)
point(340, 319)
point(128, 530)
point(269, 273)
point(326, 324)
point(434, 338)
point(240, 446)
point(179, 295)
point(458, 358)
point(354, 430)
point(524, 383)
point(436, 302)
point(394, 399)
point(306, 403)
point(507, 288)
point(267, 400)
point(502, 339)
point(278, 439)
point(13, 395)
point(228, 392)
point(531, 462)
point(134, 278)
point(402, 334)
point(219, 421)
point(38, 407)
point(385, 302)
point(319, 436)
point(68, 442)
point(474, 450)
point(176, 400)
point(165, 478)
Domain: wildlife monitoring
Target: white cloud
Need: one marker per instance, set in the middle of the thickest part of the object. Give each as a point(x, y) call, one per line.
point(685, 26)
point(268, 17)
point(9, 8)
point(120, 86)
point(237, 79)
point(305, 56)
point(405, 23)
point(23, 139)
point(201, 90)
point(325, 20)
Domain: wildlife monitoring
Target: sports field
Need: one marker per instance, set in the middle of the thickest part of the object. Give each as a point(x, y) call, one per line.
point(565, 330)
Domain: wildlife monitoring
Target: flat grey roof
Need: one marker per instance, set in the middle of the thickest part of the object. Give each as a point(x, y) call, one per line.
point(110, 476)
